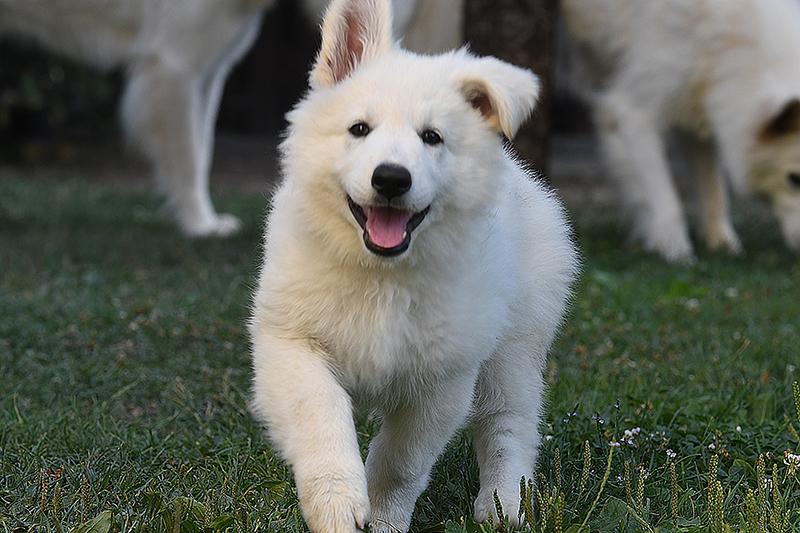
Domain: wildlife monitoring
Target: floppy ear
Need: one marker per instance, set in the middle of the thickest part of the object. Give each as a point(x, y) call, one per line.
point(353, 31)
point(504, 94)
point(785, 122)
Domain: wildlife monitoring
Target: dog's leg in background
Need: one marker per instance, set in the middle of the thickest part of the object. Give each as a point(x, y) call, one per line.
point(163, 113)
point(310, 422)
point(410, 440)
point(435, 26)
point(506, 425)
point(714, 204)
point(636, 154)
point(215, 85)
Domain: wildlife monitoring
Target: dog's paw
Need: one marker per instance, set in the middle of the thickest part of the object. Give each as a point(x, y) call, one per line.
point(389, 520)
point(724, 239)
point(509, 501)
point(334, 504)
point(221, 225)
point(672, 244)
point(384, 526)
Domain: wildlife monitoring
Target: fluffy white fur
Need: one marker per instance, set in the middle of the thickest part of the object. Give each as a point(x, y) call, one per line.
point(177, 55)
point(726, 72)
point(456, 328)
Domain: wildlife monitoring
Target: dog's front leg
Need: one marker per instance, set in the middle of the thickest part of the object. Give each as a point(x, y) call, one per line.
point(715, 207)
point(634, 147)
point(410, 440)
point(309, 418)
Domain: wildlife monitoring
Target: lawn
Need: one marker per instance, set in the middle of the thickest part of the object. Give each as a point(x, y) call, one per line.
point(125, 376)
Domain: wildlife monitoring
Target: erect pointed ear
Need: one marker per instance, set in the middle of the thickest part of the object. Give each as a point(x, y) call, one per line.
point(353, 31)
point(504, 94)
point(786, 121)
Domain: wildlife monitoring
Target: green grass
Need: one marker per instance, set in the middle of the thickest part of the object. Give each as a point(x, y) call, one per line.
point(124, 376)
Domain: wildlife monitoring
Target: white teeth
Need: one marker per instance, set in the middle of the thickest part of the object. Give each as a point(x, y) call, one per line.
point(405, 234)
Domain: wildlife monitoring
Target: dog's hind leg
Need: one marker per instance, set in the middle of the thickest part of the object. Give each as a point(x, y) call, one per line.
point(506, 425)
point(636, 154)
point(715, 209)
point(163, 113)
point(402, 454)
point(214, 85)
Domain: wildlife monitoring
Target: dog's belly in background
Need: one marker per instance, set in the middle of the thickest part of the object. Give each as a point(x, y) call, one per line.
point(99, 33)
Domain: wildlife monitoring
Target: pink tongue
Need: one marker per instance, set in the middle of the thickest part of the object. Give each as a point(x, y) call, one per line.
point(386, 226)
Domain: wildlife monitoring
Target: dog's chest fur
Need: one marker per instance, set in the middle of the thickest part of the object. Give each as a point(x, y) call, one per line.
point(389, 333)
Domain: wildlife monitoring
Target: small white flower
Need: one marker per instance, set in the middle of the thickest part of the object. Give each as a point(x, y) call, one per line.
point(738, 429)
point(614, 444)
point(671, 454)
point(692, 304)
point(712, 446)
point(629, 436)
point(632, 432)
point(792, 460)
point(548, 437)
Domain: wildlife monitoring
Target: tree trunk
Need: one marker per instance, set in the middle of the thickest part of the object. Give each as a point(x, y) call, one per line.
point(521, 32)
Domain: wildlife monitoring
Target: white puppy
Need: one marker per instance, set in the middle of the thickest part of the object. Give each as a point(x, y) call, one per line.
point(411, 266)
point(725, 71)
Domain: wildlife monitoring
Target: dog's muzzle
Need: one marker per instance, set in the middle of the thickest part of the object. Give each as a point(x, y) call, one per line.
point(387, 230)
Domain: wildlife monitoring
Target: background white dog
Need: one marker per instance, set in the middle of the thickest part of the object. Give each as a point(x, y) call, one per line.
point(411, 266)
point(728, 73)
point(177, 55)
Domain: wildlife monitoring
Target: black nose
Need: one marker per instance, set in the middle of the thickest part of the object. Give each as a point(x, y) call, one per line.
point(391, 181)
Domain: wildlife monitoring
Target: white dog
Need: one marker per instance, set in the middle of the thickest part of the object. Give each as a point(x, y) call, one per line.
point(411, 266)
point(177, 55)
point(725, 71)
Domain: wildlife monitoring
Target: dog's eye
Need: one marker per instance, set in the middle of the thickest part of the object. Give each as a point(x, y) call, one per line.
point(359, 129)
point(431, 137)
point(794, 179)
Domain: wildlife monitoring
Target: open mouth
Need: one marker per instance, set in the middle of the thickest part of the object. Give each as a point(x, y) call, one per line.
point(387, 231)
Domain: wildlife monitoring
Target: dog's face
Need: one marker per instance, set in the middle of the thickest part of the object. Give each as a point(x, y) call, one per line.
point(775, 167)
point(388, 142)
